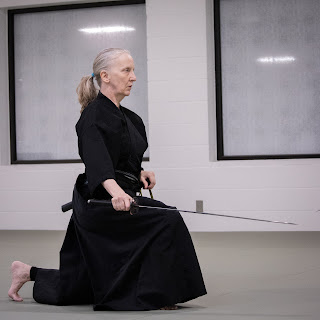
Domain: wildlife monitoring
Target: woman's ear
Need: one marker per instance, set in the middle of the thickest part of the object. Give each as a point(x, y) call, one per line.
point(104, 76)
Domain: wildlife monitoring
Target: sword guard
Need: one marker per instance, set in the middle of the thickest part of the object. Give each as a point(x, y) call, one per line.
point(134, 207)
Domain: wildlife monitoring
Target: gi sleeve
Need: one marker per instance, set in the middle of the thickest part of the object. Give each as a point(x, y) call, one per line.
point(96, 157)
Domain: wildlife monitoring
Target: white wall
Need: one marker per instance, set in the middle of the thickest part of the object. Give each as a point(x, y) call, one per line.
point(180, 103)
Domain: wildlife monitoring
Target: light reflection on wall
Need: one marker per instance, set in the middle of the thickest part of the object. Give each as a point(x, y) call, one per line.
point(109, 29)
point(280, 59)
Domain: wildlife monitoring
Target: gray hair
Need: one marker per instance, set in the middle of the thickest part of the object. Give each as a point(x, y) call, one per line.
point(86, 89)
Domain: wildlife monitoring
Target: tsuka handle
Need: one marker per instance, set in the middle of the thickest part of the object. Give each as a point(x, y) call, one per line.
point(66, 207)
point(107, 203)
point(134, 207)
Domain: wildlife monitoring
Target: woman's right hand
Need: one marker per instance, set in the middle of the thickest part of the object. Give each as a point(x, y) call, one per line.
point(121, 201)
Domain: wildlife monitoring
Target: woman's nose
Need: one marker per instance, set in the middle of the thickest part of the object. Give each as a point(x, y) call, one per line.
point(133, 76)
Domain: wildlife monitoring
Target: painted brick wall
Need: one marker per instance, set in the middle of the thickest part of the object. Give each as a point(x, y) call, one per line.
point(180, 105)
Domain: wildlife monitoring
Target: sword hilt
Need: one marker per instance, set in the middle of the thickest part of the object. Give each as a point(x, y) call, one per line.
point(134, 207)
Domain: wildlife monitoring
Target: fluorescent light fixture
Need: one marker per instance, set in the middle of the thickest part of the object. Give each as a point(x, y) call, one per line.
point(110, 29)
point(270, 60)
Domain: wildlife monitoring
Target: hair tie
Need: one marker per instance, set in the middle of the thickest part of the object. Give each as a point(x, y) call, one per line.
point(92, 75)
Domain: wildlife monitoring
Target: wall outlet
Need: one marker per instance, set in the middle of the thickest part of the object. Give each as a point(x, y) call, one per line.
point(199, 205)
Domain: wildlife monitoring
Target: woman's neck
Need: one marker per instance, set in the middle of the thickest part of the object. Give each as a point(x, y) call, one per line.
point(110, 95)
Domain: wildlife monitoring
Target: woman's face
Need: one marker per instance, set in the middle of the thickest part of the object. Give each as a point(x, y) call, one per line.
point(120, 76)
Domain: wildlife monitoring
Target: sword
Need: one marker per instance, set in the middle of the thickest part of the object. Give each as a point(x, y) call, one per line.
point(134, 208)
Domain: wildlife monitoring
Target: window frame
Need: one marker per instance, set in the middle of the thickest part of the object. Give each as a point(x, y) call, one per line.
point(219, 103)
point(11, 68)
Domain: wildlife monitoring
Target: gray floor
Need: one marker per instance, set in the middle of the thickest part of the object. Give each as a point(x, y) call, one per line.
point(274, 276)
point(270, 304)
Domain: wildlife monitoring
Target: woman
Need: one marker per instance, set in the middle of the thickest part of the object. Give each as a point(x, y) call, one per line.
point(110, 257)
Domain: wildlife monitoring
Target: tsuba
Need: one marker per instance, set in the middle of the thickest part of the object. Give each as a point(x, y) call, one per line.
point(134, 208)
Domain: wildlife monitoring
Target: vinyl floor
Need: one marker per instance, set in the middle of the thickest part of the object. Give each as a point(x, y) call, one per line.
point(248, 276)
point(286, 304)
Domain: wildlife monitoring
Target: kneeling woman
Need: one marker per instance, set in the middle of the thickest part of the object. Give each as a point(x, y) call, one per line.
point(111, 258)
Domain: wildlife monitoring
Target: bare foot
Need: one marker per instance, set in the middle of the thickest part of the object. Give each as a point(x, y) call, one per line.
point(20, 275)
point(174, 307)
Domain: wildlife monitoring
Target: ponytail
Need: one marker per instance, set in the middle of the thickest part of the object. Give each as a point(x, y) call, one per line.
point(86, 91)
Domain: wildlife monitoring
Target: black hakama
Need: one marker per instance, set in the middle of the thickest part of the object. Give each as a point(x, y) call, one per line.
point(111, 259)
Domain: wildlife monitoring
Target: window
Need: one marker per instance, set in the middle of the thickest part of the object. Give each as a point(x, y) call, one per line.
point(50, 50)
point(267, 78)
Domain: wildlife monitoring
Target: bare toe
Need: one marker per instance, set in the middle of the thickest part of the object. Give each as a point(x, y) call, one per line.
point(14, 296)
point(20, 273)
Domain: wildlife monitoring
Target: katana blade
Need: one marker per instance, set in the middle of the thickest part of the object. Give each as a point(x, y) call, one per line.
point(134, 208)
point(219, 215)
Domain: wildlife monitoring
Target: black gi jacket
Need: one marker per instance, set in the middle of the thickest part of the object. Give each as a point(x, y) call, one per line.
point(109, 139)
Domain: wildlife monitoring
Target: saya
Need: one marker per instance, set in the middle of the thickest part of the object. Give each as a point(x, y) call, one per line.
point(135, 206)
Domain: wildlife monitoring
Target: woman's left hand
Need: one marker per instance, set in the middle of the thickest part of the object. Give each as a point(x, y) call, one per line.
point(144, 175)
